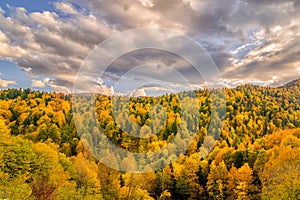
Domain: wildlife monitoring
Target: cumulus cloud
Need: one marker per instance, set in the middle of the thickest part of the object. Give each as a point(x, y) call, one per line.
point(41, 83)
point(139, 92)
point(101, 88)
point(66, 8)
point(38, 84)
point(6, 83)
point(250, 40)
point(44, 43)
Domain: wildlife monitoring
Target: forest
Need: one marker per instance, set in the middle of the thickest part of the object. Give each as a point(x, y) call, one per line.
point(45, 155)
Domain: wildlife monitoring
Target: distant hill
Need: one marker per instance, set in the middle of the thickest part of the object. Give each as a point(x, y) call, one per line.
point(292, 84)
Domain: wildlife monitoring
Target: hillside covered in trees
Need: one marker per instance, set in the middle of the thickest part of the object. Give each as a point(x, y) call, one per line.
point(256, 157)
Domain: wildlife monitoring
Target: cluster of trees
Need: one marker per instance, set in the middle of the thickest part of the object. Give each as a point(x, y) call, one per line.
point(256, 156)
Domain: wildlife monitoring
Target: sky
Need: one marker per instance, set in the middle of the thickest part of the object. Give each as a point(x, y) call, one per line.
point(44, 43)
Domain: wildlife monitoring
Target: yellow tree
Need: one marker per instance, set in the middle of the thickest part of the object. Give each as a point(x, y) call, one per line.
point(239, 182)
point(280, 177)
point(217, 181)
point(15, 161)
point(50, 177)
point(86, 177)
point(110, 182)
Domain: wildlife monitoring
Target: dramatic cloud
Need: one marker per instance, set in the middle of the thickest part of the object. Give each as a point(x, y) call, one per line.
point(250, 41)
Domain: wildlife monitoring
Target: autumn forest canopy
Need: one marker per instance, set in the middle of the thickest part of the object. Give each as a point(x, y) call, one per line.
point(45, 154)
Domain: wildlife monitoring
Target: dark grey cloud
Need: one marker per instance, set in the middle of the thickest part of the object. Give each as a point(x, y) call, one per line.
point(229, 20)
